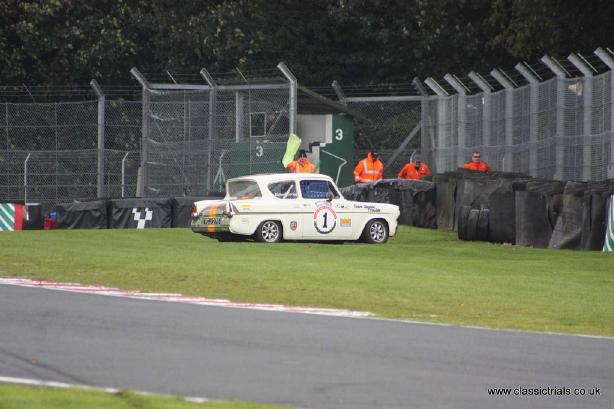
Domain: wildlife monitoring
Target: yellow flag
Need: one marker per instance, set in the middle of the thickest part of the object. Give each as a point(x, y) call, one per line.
point(294, 143)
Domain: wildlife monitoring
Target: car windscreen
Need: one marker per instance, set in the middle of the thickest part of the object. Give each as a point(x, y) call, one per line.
point(318, 189)
point(243, 189)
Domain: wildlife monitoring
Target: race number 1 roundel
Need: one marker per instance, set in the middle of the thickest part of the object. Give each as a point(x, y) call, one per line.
point(324, 219)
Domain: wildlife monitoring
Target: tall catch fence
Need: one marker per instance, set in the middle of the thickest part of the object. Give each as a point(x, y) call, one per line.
point(556, 128)
point(391, 126)
point(185, 135)
point(50, 151)
point(197, 136)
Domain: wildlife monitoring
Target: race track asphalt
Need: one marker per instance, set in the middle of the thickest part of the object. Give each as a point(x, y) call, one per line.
point(304, 361)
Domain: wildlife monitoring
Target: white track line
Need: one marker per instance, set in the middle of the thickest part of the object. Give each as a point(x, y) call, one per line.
point(61, 385)
point(170, 297)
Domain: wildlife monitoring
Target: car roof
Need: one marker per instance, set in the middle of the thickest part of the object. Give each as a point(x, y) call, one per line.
point(272, 177)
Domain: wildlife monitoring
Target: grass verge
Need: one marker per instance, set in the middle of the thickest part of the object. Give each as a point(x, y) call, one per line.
point(419, 274)
point(20, 397)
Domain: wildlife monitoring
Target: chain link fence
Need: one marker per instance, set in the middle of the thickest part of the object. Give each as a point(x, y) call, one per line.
point(556, 129)
point(197, 139)
point(187, 140)
point(50, 151)
point(390, 127)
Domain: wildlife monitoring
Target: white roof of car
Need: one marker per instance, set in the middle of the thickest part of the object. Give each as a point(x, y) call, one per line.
point(271, 177)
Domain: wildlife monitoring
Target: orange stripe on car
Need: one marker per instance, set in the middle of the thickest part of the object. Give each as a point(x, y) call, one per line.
point(212, 213)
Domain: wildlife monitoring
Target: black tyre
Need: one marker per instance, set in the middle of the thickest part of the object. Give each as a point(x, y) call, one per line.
point(269, 231)
point(376, 232)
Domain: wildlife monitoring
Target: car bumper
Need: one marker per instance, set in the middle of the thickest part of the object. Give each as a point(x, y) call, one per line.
point(211, 220)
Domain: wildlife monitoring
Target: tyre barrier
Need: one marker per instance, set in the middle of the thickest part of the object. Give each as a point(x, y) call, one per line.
point(496, 206)
point(499, 207)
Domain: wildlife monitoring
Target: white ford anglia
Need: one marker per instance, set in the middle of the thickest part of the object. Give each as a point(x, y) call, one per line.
point(292, 206)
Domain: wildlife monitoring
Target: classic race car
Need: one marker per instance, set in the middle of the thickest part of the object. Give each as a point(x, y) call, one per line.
point(292, 206)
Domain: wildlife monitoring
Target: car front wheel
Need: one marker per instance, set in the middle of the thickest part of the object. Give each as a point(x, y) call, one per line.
point(376, 232)
point(269, 231)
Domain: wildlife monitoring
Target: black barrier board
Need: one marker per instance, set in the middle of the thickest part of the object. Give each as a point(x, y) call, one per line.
point(594, 228)
point(140, 213)
point(445, 199)
point(533, 227)
point(567, 232)
point(33, 217)
point(82, 215)
point(415, 198)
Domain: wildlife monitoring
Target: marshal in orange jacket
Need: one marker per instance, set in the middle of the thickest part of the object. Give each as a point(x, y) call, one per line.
point(480, 166)
point(414, 171)
point(302, 165)
point(370, 169)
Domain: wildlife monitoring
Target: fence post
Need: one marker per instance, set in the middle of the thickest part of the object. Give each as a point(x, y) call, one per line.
point(587, 110)
point(486, 104)
point(101, 122)
point(608, 58)
point(145, 129)
point(442, 99)
point(509, 119)
point(461, 117)
point(611, 164)
point(124, 172)
point(293, 95)
point(6, 113)
point(427, 142)
point(25, 179)
point(212, 122)
point(559, 161)
point(533, 116)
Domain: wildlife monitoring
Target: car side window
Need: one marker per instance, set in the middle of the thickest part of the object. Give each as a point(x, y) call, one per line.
point(314, 189)
point(243, 189)
point(283, 190)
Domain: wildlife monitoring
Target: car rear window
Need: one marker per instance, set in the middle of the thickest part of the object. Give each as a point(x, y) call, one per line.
point(243, 189)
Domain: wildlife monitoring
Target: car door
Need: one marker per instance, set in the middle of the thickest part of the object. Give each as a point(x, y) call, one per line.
point(323, 211)
point(287, 208)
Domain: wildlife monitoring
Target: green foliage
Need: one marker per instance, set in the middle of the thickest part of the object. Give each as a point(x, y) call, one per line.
point(354, 41)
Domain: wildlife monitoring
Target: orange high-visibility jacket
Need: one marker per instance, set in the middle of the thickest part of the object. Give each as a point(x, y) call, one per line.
point(409, 171)
point(368, 170)
point(480, 166)
point(296, 167)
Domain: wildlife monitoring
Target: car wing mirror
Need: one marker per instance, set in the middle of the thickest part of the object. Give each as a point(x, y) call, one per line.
point(330, 196)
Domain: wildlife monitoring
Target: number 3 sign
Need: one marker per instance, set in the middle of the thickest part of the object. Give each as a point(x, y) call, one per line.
point(324, 219)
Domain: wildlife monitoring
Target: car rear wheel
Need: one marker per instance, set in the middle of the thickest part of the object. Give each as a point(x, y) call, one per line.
point(376, 232)
point(269, 231)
